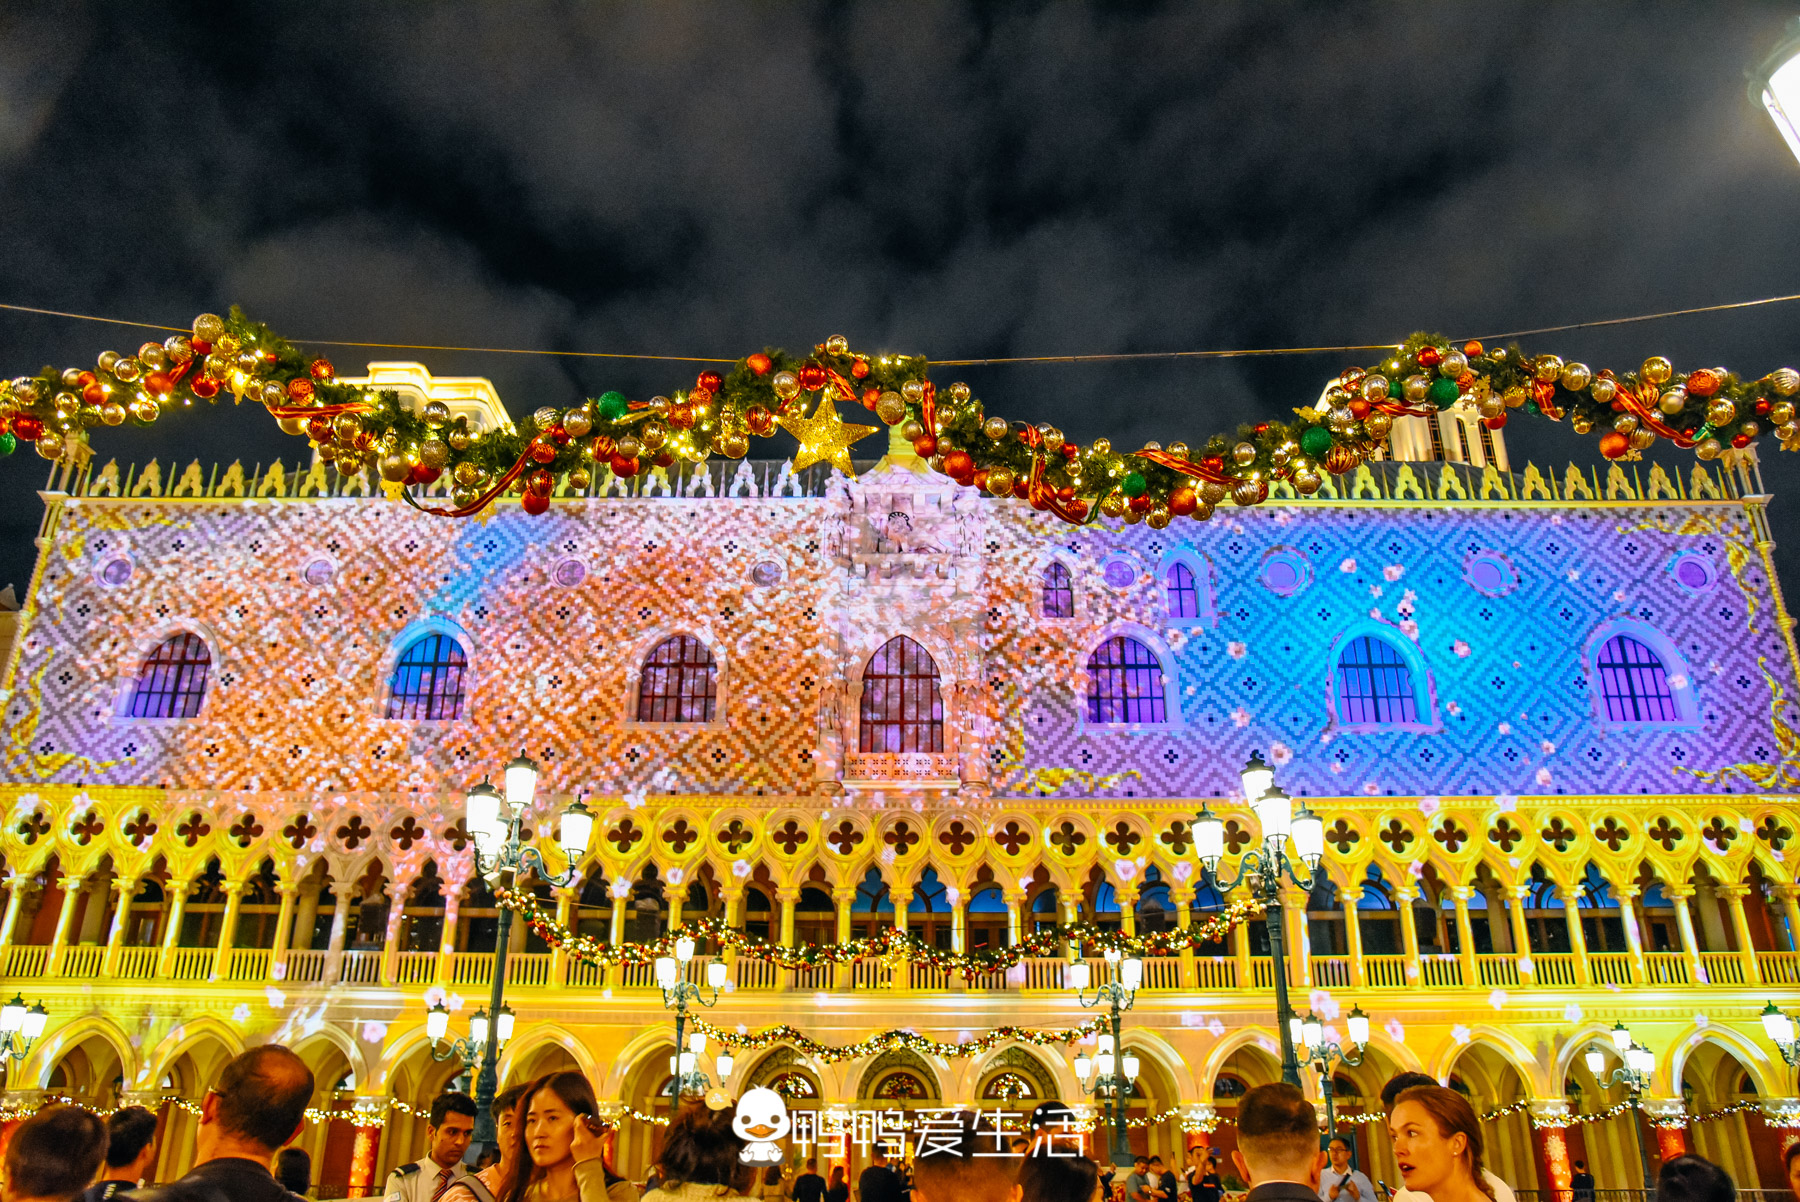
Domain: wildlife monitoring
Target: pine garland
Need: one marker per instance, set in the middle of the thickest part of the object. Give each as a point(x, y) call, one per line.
point(1711, 410)
point(887, 1041)
point(891, 945)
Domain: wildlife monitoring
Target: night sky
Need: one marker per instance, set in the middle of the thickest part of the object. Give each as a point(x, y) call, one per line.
point(953, 180)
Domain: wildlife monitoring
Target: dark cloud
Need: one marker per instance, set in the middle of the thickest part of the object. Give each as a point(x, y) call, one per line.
point(958, 180)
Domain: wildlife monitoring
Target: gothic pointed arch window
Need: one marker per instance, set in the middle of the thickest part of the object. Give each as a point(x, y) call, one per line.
point(902, 706)
point(427, 683)
point(171, 682)
point(1375, 685)
point(1634, 684)
point(1125, 683)
point(679, 682)
point(1182, 590)
point(1059, 591)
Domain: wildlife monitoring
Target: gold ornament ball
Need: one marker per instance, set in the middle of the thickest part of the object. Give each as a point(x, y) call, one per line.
point(1710, 448)
point(1781, 412)
point(734, 444)
point(1720, 412)
point(1153, 445)
point(1341, 459)
point(1306, 481)
point(292, 425)
point(1641, 439)
point(911, 430)
point(1278, 458)
point(629, 447)
point(659, 405)
point(1490, 406)
point(209, 327)
point(1375, 388)
point(50, 445)
point(460, 439)
point(1673, 401)
point(1102, 446)
point(1415, 388)
point(1625, 423)
point(1132, 517)
point(890, 407)
point(1787, 431)
point(345, 426)
point(1749, 429)
point(996, 428)
point(1785, 381)
point(1576, 376)
point(145, 410)
point(1114, 505)
point(837, 344)
point(1453, 365)
point(786, 385)
point(1000, 481)
point(394, 468)
point(1053, 437)
point(348, 463)
point(248, 362)
point(1244, 454)
point(1581, 423)
point(1159, 516)
point(274, 393)
point(436, 414)
point(112, 413)
point(580, 478)
point(463, 497)
point(67, 404)
point(578, 422)
point(434, 452)
point(466, 474)
point(1656, 370)
point(226, 344)
point(151, 354)
point(178, 348)
point(1602, 390)
point(1549, 368)
point(107, 360)
point(1202, 512)
point(217, 368)
point(653, 435)
point(1249, 492)
point(913, 391)
point(1211, 492)
point(959, 392)
point(1179, 449)
point(544, 418)
point(71, 377)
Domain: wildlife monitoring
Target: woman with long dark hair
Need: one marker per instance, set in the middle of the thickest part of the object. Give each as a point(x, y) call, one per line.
point(700, 1155)
point(558, 1151)
point(838, 1190)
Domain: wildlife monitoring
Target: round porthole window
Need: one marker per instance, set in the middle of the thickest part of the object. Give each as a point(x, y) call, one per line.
point(318, 572)
point(767, 573)
point(569, 572)
point(1490, 573)
point(1119, 573)
point(1285, 571)
point(1694, 571)
point(115, 571)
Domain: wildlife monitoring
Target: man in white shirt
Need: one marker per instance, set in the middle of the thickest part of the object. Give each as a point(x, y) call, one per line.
point(447, 1135)
point(1341, 1183)
point(1392, 1090)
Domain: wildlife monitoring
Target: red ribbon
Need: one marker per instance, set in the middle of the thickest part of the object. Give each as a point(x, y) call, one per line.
point(1400, 409)
point(1037, 489)
point(481, 502)
point(320, 410)
point(1638, 401)
point(1185, 467)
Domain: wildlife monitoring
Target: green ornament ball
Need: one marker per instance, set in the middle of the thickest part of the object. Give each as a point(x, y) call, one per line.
point(1316, 441)
point(8, 443)
point(1134, 484)
point(613, 406)
point(1443, 392)
point(1396, 389)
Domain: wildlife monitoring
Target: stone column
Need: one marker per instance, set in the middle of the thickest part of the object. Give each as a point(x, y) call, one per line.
point(306, 915)
point(176, 892)
point(1571, 900)
point(1071, 912)
point(234, 899)
point(340, 929)
point(284, 937)
point(121, 923)
point(616, 936)
point(1684, 923)
point(1240, 935)
point(786, 900)
point(398, 891)
point(1127, 897)
point(1711, 925)
point(843, 976)
point(446, 964)
point(1790, 907)
point(565, 917)
point(93, 918)
point(1409, 933)
point(675, 898)
point(1348, 899)
point(1015, 918)
point(1465, 936)
point(1515, 916)
point(18, 885)
point(902, 978)
point(1634, 937)
point(1182, 897)
point(1740, 929)
point(65, 918)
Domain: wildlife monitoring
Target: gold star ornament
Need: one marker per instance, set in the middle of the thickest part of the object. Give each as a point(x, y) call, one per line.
point(824, 437)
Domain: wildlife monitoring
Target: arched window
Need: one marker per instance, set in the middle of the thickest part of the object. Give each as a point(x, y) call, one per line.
point(172, 681)
point(1183, 592)
point(902, 709)
point(1059, 591)
point(1125, 682)
point(428, 680)
point(679, 682)
point(1634, 685)
point(1374, 685)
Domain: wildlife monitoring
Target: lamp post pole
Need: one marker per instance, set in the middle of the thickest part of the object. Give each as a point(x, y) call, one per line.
point(1113, 1068)
point(1261, 870)
point(1638, 1063)
point(1328, 1055)
point(494, 826)
point(677, 993)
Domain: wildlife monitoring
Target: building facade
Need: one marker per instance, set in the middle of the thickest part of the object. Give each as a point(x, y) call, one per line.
point(1548, 720)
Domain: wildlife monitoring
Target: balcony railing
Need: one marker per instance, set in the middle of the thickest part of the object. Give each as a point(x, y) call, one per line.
point(1162, 974)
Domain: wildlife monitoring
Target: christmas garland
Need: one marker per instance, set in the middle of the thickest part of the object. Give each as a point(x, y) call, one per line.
point(887, 1041)
point(312, 1114)
point(891, 945)
point(1710, 410)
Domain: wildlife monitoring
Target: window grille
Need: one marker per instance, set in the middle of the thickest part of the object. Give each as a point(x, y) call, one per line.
point(1634, 686)
point(428, 680)
point(1184, 594)
point(902, 709)
point(1059, 591)
point(1374, 685)
point(172, 681)
point(1124, 683)
point(679, 682)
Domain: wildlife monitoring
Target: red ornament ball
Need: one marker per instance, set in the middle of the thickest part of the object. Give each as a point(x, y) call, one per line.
point(321, 369)
point(1213, 463)
point(158, 383)
point(1471, 348)
point(664, 459)
point(1613, 444)
point(201, 346)
point(425, 475)
point(760, 420)
point(925, 446)
point(601, 448)
point(980, 478)
point(27, 427)
point(541, 452)
point(959, 463)
point(622, 466)
point(1070, 450)
point(1360, 409)
point(1140, 503)
point(204, 387)
point(86, 378)
point(1704, 382)
point(1740, 441)
point(1065, 493)
point(1183, 501)
point(812, 376)
point(710, 381)
point(1762, 406)
point(535, 503)
point(869, 397)
point(1430, 356)
point(860, 369)
point(1495, 422)
point(1078, 510)
point(540, 482)
point(681, 415)
point(558, 434)
point(300, 388)
point(1021, 487)
point(759, 363)
point(701, 397)
point(319, 429)
point(93, 394)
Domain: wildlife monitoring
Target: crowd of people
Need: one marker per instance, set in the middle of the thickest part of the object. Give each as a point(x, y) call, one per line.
point(551, 1147)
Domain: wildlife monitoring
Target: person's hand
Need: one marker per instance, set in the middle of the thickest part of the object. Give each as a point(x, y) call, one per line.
point(1355, 1189)
point(585, 1143)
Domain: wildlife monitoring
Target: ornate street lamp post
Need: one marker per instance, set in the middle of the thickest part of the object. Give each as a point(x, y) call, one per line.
point(1637, 1065)
point(1327, 1055)
point(677, 993)
point(1113, 1069)
point(1261, 871)
point(1780, 1029)
point(1776, 86)
point(493, 823)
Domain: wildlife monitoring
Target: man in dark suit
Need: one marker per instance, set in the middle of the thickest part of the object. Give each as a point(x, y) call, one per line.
point(1278, 1145)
